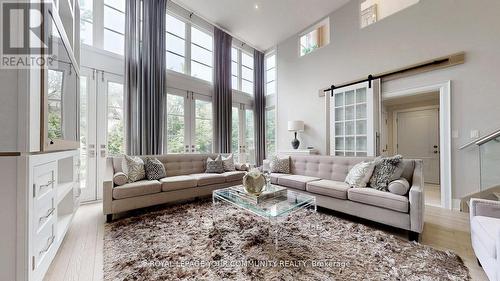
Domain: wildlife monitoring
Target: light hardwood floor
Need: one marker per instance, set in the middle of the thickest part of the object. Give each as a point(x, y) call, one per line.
point(80, 256)
point(432, 194)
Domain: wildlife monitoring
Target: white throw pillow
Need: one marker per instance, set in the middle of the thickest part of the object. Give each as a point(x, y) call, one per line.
point(120, 178)
point(399, 187)
point(228, 163)
point(360, 174)
point(280, 165)
point(133, 167)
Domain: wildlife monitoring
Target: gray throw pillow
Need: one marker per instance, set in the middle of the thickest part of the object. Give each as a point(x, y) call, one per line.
point(215, 166)
point(154, 169)
point(228, 163)
point(133, 167)
point(360, 174)
point(280, 165)
point(399, 187)
point(386, 170)
point(120, 178)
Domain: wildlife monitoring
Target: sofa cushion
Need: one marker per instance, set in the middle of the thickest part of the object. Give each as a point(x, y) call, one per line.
point(280, 165)
point(275, 176)
point(120, 178)
point(386, 169)
point(296, 181)
point(178, 182)
point(233, 176)
point(154, 169)
point(208, 179)
point(487, 231)
point(379, 198)
point(135, 189)
point(215, 166)
point(329, 188)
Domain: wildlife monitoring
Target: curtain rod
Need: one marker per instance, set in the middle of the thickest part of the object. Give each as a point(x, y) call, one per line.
point(380, 76)
point(191, 12)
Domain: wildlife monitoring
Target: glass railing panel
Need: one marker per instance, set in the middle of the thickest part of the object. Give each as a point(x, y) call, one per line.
point(490, 163)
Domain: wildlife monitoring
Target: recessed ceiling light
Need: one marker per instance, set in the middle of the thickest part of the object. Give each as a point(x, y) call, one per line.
point(256, 6)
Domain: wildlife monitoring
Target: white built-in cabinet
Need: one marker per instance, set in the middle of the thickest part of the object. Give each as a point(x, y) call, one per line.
point(40, 185)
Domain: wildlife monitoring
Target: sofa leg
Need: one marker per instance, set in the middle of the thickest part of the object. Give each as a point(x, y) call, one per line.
point(413, 236)
point(109, 217)
point(478, 262)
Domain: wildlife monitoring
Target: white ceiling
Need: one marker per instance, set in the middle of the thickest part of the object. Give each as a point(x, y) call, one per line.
point(273, 22)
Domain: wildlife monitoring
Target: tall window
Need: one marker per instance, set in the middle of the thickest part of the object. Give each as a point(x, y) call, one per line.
point(203, 130)
point(235, 133)
point(235, 70)
point(116, 139)
point(201, 54)
point(114, 26)
point(176, 44)
point(86, 21)
point(175, 124)
point(270, 131)
point(271, 74)
point(242, 71)
point(249, 137)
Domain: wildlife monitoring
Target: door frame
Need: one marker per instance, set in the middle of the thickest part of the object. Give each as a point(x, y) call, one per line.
point(444, 89)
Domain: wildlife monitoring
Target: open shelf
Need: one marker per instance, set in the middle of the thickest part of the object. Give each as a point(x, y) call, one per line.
point(63, 189)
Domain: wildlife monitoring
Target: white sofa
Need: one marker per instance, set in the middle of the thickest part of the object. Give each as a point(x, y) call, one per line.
point(323, 177)
point(485, 235)
point(186, 179)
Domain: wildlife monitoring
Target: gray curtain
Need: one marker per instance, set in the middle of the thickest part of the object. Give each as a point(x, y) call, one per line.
point(145, 70)
point(259, 108)
point(222, 98)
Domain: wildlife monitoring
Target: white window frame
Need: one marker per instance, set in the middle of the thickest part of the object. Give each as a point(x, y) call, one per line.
point(242, 127)
point(189, 118)
point(240, 71)
point(187, 47)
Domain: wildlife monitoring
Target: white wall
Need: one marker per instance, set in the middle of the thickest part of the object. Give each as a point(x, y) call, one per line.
point(424, 31)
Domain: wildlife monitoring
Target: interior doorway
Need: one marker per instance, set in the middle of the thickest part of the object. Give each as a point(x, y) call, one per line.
point(411, 127)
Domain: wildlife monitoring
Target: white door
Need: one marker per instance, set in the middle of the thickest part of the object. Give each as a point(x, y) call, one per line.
point(189, 122)
point(101, 127)
point(242, 133)
point(418, 138)
point(354, 120)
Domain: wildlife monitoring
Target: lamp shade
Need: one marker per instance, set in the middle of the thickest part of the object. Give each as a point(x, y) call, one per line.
point(296, 126)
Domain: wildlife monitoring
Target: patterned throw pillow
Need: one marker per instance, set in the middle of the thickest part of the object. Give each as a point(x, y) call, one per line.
point(228, 163)
point(280, 165)
point(386, 170)
point(133, 167)
point(215, 166)
point(154, 169)
point(360, 174)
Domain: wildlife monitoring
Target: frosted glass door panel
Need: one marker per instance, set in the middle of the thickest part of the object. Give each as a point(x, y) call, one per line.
point(352, 117)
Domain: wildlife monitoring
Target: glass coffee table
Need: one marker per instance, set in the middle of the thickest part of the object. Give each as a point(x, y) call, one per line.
point(273, 209)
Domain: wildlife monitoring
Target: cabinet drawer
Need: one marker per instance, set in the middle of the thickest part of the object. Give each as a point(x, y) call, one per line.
point(44, 211)
point(44, 179)
point(44, 242)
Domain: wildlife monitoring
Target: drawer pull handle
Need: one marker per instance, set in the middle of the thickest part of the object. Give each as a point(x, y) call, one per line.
point(50, 241)
point(49, 213)
point(47, 184)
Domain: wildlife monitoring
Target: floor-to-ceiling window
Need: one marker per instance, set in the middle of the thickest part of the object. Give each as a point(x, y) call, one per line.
point(270, 89)
point(175, 123)
point(242, 70)
point(189, 122)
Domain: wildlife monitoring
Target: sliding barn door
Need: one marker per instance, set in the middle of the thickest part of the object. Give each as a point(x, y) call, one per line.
point(354, 120)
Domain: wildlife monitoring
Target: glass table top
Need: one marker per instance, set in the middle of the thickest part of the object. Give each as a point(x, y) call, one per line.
point(279, 206)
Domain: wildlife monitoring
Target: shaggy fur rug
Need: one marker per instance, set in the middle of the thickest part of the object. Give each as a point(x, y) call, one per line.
point(182, 243)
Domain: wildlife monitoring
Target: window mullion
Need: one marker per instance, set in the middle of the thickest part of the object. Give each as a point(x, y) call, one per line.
point(239, 71)
point(187, 48)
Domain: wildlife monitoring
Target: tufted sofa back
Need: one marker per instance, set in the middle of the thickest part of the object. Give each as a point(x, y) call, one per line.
point(175, 164)
point(334, 167)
